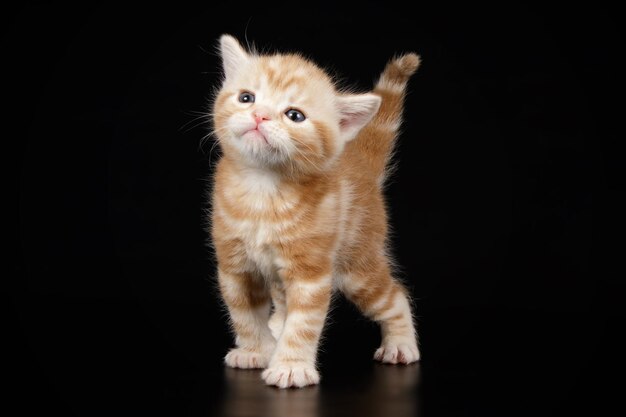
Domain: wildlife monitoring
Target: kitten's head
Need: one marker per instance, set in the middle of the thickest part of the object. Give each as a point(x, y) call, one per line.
point(283, 112)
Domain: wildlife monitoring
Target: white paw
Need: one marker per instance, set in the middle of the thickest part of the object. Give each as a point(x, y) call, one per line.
point(285, 375)
point(246, 359)
point(395, 353)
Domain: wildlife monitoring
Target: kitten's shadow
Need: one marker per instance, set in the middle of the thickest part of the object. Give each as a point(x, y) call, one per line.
point(247, 395)
point(387, 390)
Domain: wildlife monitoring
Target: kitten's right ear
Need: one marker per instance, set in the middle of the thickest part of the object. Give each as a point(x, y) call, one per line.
point(233, 55)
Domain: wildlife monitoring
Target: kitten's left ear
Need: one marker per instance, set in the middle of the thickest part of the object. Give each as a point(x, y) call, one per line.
point(356, 110)
point(233, 55)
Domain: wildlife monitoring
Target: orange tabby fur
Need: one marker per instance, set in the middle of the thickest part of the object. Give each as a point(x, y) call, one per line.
point(302, 213)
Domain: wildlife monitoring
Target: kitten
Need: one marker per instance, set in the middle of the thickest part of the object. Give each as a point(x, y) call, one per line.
point(298, 209)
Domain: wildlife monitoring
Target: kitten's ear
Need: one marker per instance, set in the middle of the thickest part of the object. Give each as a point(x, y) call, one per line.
point(233, 55)
point(356, 110)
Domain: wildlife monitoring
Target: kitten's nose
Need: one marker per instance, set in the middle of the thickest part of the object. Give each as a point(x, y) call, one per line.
point(260, 116)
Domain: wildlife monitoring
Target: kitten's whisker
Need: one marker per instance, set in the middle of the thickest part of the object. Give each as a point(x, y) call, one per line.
point(213, 133)
point(203, 122)
point(205, 139)
point(196, 113)
point(213, 147)
point(204, 116)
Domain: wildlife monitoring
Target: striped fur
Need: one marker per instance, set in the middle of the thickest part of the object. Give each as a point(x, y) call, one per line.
point(377, 139)
point(298, 211)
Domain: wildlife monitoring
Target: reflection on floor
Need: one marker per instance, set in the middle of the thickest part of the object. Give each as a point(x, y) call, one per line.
point(390, 391)
point(98, 358)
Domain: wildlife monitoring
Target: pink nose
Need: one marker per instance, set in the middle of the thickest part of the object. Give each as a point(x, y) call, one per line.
point(260, 116)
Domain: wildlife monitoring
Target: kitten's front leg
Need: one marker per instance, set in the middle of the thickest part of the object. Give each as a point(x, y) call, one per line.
point(248, 303)
point(293, 362)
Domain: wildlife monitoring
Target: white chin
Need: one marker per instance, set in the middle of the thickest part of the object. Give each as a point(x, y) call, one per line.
point(255, 136)
point(255, 148)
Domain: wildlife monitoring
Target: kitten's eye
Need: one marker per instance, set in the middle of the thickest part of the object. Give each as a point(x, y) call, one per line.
point(246, 97)
point(295, 115)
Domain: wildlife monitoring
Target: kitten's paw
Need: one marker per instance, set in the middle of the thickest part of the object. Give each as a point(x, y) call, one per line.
point(394, 353)
point(285, 375)
point(246, 359)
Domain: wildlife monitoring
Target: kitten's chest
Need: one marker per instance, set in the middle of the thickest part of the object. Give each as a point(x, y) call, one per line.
point(261, 235)
point(257, 212)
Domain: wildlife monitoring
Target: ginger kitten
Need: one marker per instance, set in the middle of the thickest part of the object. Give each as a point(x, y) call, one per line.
point(298, 209)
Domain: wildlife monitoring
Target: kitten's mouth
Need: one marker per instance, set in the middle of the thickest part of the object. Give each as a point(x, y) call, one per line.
point(255, 134)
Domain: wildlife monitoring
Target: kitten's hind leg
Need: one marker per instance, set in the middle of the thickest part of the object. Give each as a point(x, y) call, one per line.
point(248, 303)
point(384, 300)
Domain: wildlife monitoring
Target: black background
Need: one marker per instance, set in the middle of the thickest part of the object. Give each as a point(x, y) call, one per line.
point(502, 205)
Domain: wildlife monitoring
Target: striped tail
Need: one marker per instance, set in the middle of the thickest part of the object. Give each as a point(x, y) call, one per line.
point(377, 139)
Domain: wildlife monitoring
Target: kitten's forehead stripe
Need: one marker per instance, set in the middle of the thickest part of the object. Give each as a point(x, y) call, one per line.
point(284, 71)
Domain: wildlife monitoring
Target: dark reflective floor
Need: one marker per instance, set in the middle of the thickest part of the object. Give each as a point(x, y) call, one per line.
point(387, 391)
point(103, 358)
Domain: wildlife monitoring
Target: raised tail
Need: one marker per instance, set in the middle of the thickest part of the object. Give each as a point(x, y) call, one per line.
point(376, 140)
